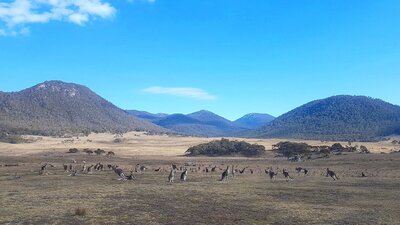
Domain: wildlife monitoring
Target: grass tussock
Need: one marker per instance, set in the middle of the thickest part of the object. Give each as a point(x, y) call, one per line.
point(80, 212)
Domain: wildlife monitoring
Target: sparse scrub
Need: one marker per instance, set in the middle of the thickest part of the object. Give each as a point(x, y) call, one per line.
point(99, 151)
point(73, 150)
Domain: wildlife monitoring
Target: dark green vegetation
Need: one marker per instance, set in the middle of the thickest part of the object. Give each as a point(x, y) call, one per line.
point(344, 118)
point(254, 120)
point(225, 147)
point(303, 150)
point(58, 108)
point(246, 199)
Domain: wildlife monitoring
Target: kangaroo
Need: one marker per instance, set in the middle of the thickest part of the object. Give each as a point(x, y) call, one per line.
point(305, 171)
point(119, 172)
point(299, 169)
point(225, 174)
point(184, 175)
point(233, 171)
point(213, 169)
point(271, 174)
point(242, 171)
point(286, 174)
point(137, 168)
point(131, 176)
point(84, 167)
point(43, 169)
point(158, 170)
point(330, 173)
point(171, 176)
point(65, 168)
point(90, 169)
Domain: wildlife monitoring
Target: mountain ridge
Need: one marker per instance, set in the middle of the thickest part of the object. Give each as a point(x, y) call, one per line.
point(57, 107)
point(341, 117)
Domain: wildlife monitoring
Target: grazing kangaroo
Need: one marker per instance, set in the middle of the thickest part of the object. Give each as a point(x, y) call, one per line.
point(131, 176)
point(305, 171)
point(271, 174)
point(213, 169)
point(90, 169)
point(171, 176)
point(330, 173)
point(158, 170)
point(184, 175)
point(43, 169)
point(299, 169)
point(119, 172)
point(98, 166)
point(286, 174)
point(242, 171)
point(225, 174)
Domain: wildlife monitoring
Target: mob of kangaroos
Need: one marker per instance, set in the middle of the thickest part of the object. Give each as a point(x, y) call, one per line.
point(230, 171)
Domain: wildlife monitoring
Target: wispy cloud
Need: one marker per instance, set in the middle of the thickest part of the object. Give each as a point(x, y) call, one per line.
point(16, 15)
point(194, 93)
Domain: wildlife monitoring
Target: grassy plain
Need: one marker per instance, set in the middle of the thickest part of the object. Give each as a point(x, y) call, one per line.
point(150, 199)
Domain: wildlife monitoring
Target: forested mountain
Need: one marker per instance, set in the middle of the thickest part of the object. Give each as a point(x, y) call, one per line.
point(336, 118)
point(146, 115)
point(201, 123)
point(56, 107)
point(254, 120)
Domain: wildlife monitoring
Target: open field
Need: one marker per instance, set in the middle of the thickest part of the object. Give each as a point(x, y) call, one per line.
point(150, 199)
point(136, 143)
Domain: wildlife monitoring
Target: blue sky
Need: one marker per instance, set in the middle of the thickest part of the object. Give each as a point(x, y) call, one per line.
point(230, 57)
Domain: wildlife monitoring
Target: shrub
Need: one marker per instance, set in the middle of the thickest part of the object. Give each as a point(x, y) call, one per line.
point(99, 151)
point(73, 150)
point(225, 147)
point(89, 152)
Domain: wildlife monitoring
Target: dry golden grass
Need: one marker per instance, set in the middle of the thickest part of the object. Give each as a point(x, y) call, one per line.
point(246, 199)
point(136, 143)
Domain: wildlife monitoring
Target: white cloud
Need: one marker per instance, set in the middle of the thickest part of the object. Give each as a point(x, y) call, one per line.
point(194, 93)
point(16, 15)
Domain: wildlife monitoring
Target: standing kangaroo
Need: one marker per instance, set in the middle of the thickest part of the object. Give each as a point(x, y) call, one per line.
point(271, 173)
point(171, 176)
point(225, 174)
point(184, 175)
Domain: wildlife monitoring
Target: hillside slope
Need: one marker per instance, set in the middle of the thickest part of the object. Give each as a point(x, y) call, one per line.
point(56, 107)
point(336, 118)
point(254, 120)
